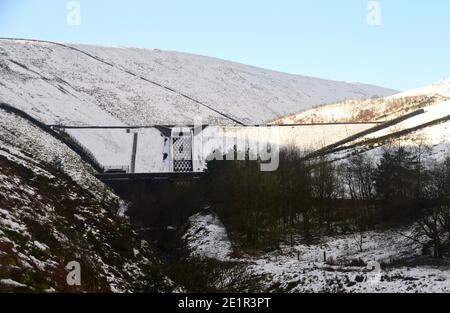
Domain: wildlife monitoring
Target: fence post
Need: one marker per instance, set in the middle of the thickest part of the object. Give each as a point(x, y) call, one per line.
point(133, 153)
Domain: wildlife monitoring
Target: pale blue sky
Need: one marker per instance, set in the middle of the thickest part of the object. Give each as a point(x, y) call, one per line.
point(322, 38)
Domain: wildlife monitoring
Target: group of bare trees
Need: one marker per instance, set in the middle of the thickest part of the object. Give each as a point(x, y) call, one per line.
point(310, 198)
point(261, 209)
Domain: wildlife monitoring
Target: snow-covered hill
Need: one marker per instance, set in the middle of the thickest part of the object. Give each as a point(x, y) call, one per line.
point(90, 85)
point(379, 109)
point(422, 130)
point(430, 127)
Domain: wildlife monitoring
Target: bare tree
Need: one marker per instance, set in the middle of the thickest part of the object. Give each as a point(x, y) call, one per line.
point(358, 174)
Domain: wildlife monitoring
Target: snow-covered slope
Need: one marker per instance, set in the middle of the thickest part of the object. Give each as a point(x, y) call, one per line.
point(439, 89)
point(206, 237)
point(80, 84)
point(373, 109)
point(431, 128)
point(54, 211)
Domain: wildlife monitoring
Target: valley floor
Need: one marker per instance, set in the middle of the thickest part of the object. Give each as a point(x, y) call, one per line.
point(300, 268)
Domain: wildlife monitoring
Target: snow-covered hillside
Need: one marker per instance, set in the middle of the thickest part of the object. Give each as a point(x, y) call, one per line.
point(89, 85)
point(431, 129)
point(54, 211)
point(379, 109)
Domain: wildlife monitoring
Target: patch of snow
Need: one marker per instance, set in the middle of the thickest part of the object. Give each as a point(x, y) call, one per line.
point(11, 283)
point(41, 246)
point(206, 237)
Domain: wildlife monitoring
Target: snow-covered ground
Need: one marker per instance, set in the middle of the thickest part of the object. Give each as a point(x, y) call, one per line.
point(301, 268)
point(53, 211)
point(206, 237)
point(27, 145)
